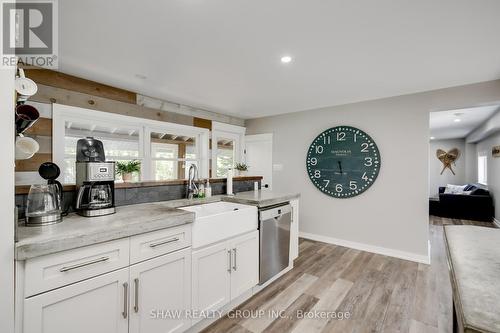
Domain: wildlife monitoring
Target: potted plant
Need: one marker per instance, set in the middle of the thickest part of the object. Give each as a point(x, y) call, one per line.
point(126, 169)
point(242, 168)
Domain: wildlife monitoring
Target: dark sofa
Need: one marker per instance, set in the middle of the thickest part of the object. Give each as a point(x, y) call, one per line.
point(475, 206)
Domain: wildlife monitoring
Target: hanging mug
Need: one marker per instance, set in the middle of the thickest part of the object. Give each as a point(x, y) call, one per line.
point(25, 88)
point(26, 147)
point(26, 116)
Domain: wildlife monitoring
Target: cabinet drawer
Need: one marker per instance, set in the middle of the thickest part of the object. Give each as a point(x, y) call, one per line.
point(63, 268)
point(156, 243)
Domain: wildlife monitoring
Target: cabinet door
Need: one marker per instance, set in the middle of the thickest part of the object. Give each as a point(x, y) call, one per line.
point(245, 263)
point(211, 277)
point(294, 231)
point(160, 294)
point(97, 305)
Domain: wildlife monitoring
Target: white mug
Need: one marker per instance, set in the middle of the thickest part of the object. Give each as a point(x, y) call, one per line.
point(26, 147)
point(25, 87)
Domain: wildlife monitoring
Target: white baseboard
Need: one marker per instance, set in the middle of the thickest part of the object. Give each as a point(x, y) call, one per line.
point(424, 259)
point(496, 222)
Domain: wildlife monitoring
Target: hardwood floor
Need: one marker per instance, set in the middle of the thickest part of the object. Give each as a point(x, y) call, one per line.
point(381, 294)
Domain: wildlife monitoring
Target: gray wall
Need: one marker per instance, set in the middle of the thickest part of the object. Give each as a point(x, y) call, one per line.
point(393, 214)
point(493, 169)
point(437, 179)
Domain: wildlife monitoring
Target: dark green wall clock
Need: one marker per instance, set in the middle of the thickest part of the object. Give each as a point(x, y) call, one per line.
point(343, 161)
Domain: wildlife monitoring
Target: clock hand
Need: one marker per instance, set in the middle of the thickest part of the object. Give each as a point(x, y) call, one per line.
point(340, 167)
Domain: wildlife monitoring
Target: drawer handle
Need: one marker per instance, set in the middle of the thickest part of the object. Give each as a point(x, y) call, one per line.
point(136, 296)
point(125, 300)
point(168, 241)
point(235, 267)
point(83, 264)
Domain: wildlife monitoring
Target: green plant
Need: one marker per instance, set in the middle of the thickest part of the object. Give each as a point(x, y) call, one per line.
point(128, 167)
point(241, 167)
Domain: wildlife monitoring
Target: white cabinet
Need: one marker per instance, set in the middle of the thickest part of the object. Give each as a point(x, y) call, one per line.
point(160, 294)
point(211, 277)
point(245, 263)
point(294, 231)
point(97, 305)
point(223, 271)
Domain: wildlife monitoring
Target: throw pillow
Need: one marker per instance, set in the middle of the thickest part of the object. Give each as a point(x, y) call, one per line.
point(454, 189)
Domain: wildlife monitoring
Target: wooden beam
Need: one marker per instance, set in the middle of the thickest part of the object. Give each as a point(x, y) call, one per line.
point(43, 126)
point(48, 94)
point(203, 123)
point(33, 163)
point(60, 80)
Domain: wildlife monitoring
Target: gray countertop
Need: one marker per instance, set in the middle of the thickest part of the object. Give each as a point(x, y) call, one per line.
point(261, 198)
point(77, 231)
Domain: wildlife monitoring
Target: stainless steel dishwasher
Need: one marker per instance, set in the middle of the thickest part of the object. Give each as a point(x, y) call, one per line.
point(274, 230)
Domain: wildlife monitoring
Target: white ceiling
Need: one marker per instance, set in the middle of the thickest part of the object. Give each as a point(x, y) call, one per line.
point(443, 125)
point(225, 55)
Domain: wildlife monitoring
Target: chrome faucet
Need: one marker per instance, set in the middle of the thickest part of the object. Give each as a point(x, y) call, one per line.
point(192, 189)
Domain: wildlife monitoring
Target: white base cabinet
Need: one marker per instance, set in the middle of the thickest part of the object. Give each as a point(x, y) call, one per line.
point(224, 271)
point(160, 294)
point(97, 305)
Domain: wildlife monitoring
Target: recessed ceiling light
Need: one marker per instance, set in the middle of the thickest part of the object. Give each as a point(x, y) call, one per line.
point(286, 59)
point(432, 138)
point(457, 120)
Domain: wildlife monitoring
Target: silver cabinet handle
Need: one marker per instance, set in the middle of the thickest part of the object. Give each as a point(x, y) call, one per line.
point(292, 216)
point(234, 264)
point(83, 264)
point(171, 240)
point(136, 304)
point(125, 300)
point(229, 255)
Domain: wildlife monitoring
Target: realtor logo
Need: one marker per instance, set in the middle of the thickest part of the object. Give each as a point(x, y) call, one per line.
point(29, 33)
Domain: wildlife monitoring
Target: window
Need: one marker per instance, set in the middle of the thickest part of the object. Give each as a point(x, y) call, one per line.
point(120, 144)
point(165, 150)
point(482, 169)
point(172, 155)
point(227, 147)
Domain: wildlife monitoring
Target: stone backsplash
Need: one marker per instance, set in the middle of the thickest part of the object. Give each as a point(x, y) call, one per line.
point(143, 194)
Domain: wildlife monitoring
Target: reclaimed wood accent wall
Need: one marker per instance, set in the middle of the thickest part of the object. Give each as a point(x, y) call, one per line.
point(56, 87)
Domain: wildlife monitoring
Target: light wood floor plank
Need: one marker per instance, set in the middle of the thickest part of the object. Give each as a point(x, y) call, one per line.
point(382, 294)
point(329, 300)
point(282, 301)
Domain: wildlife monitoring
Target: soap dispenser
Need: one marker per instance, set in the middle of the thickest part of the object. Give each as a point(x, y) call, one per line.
point(208, 189)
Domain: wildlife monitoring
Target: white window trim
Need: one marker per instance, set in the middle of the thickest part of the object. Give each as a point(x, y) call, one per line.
point(485, 156)
point(62, 113)
point(231, 132)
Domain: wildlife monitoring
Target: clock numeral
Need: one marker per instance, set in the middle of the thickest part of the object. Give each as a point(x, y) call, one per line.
point(327, 140)
point(353, 185)
point(314, 161)
point(339, 188)
point(364, 177)
point(317, 174)
point(319, 149)
point(368, 161)
point(355, 137)
point(364, 147)
point(327, 181)
point(341, 136)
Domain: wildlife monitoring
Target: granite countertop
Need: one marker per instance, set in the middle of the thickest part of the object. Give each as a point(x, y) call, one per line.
point(78, 231)
point(261, 198)
point(474, 258)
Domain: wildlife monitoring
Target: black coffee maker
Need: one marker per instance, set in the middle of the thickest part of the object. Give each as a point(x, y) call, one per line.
point(95, 179)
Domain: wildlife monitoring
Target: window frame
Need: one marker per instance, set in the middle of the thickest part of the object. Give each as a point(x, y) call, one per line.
point(482, 156)
point(63, 113)
point(231, 132)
